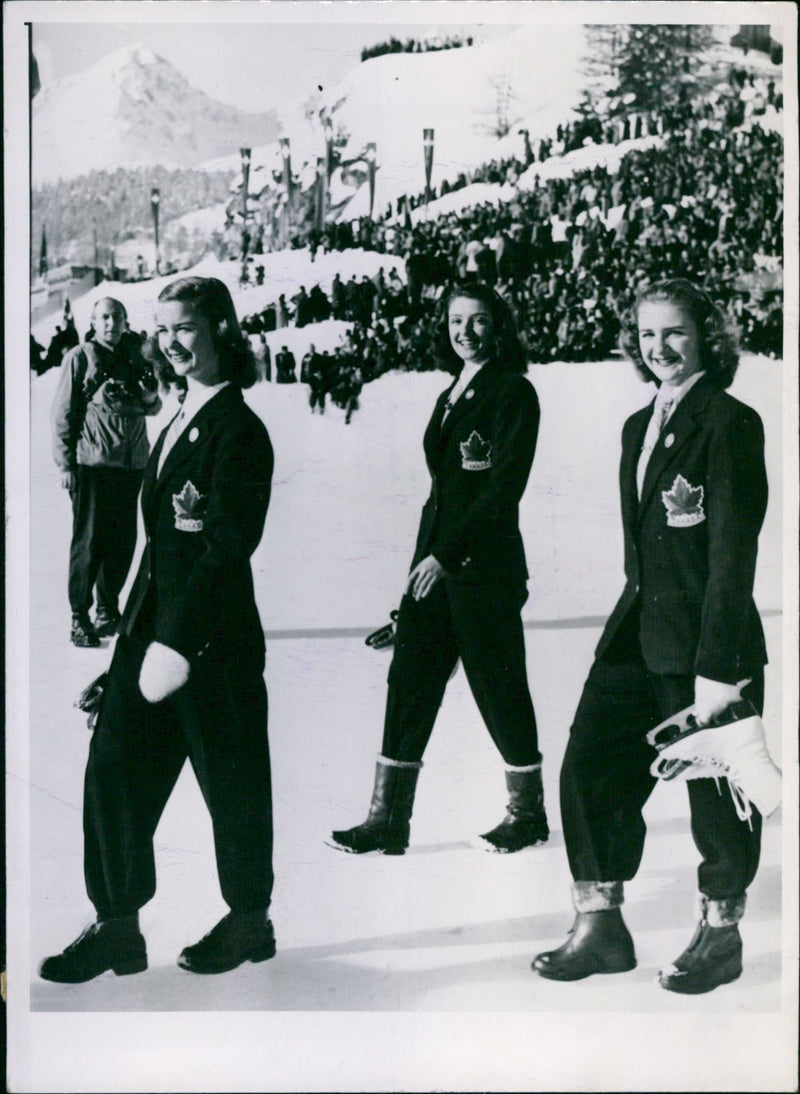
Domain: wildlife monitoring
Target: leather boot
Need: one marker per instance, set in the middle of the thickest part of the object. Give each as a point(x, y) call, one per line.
point(387, 827)
point(238, 937)
point(115, 944)
point(106, 622)
point(714, 955)
point(525, 822)
point(599, 941)
point(82, 632)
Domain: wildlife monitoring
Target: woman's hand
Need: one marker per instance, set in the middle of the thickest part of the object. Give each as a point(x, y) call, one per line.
point(163, 672)
point(711, 697)
point(424, 576)
point(68, 480)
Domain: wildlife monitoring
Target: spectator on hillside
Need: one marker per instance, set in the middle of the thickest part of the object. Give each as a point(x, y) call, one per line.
point(308, 364)
point(319, 379)
point(318, 305)
point(264, 360)
point(37, 357)
point(302, 307)
point(338, 298)
point(285, 365)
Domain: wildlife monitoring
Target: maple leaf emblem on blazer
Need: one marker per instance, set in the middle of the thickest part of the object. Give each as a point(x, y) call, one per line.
point(188, 509)
point(476, 453)
point(684, 504)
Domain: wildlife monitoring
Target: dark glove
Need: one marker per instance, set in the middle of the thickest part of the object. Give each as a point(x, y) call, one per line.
point(383, 638)
point(90, 699)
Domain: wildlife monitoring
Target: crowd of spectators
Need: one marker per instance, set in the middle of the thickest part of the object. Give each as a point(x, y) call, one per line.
point(704, 201)
point(414, 45)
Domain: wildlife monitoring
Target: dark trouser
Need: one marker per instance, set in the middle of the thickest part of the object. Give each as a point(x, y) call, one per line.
point(218, 720)
point(606, 780)
point(104, 504)
point(481, 624)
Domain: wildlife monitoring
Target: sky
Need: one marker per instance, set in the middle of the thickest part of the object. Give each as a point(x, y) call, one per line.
point(252, 65)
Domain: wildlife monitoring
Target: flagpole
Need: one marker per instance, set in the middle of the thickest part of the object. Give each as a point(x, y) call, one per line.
point(245, 154)
point(155, 199)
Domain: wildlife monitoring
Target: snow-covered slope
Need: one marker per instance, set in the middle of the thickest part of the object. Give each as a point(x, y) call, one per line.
point(132, 107)
point(465, 95)
point(530, 78)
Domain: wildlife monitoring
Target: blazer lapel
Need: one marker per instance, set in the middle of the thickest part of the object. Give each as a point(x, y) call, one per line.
point(480, 381)
point(675, 434)
point(628, 464)
point(194, 432)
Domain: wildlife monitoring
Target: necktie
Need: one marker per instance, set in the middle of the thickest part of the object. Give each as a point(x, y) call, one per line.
point(174, 431)
point(460, 386)
point(657, 422)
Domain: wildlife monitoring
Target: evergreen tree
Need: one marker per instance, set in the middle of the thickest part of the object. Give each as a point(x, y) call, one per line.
point(115, 203)
point(600, 63)
point(43, 255)
point(662, 65)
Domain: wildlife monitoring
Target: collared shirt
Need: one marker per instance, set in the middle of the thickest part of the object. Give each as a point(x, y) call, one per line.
point(468, 373)
point(664, 408)
point(196, 398)
point(675, 394)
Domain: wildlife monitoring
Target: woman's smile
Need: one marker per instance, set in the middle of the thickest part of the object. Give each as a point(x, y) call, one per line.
point(668, 341)
point(471, 329)
point(185, 339)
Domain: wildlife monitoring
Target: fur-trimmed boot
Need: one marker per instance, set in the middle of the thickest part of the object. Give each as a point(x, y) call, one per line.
point(387, 825)
point(598, 941)
point(525, 822)
point(714, 956)
point(115, 944)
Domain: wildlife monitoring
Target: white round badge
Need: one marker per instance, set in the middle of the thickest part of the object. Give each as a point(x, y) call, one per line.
point(669, 440)
point(469, 394)
point(193, 434)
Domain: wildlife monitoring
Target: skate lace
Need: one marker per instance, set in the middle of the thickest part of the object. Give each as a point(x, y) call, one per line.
point(741, 802)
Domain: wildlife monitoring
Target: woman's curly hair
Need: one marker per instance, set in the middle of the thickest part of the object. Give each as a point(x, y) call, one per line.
point(211, 298)
point(719, 353)
point(509, 353)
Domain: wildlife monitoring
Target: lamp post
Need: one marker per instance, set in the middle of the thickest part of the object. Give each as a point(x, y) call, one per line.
point(155, 200)
point(327, 127)
point(371, 169)
point(427, 145)
point(286, 156)
point(322, 193)
point(96, 267)
point(245, 154)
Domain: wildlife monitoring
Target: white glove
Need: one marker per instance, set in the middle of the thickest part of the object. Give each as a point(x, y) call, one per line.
point(711, 697)
point(163, 672)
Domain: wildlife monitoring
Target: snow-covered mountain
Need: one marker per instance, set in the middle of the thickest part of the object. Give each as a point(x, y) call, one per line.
point(133, 108)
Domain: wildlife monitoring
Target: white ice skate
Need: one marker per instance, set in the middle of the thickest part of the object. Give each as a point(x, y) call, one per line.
point(732, 746)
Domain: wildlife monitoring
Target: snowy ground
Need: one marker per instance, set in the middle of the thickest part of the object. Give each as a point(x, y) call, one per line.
point(446, 927)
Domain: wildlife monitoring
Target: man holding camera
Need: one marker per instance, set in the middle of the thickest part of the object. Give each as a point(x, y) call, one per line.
point(105, 391)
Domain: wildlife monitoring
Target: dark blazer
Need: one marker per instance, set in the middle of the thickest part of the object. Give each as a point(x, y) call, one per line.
point(203, 517)
point(691, 543)
point(479, 461)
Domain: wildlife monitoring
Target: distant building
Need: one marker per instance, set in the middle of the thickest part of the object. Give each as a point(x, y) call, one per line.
point(760, 37)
